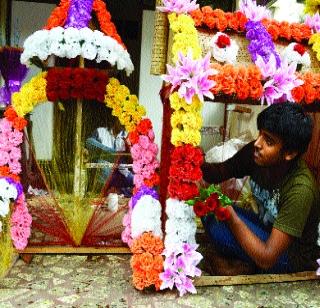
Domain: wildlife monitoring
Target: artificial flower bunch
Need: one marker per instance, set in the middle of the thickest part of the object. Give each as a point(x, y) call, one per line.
point(184, 172)
point(309, 91)
point(147, 261)
point(185, 132)
point(185, 36)
point(211, 201)
point(30, 94)
point(223, 48)
point(296, 53)
point(144, 154)
point(124, 105)
point(180, 224)
point(72, 83)
point(180, 266)
point(242, 82)
point(72, 42)
point(279, 81)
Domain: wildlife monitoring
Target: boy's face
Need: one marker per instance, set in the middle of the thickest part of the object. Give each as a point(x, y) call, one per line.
point(268, 149)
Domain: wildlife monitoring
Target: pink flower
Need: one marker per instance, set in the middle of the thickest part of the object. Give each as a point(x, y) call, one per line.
point(279, 82)
point(313, 22)
point(144, 141)
point(253, 11)
point(15, 137)
point(191, 77)
point(151, 134)
point(15, 167)
point(138, 180)
point(137, 166)
point(5, 126)
point(20, 224)
point(136, 151)
point(178, 6)
point(153, 148)
point(15, 154)
point(4, 158)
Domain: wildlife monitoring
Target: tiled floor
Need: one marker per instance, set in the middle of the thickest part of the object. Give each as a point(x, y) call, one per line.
point(104, 281)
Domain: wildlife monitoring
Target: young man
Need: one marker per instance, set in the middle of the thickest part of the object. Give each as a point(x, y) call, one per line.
point(283, 237)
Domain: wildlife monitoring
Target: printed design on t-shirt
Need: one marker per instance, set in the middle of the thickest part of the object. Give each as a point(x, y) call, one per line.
point(267, 201)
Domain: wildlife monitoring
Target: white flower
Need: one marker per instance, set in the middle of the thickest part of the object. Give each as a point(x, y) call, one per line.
point(223, 48)
point(7, 190)
point(4, 207)
point(146, 216)
point(296, 53)
point(179, 209)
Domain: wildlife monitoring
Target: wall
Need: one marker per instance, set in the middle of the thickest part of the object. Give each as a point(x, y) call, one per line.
point(28, 17)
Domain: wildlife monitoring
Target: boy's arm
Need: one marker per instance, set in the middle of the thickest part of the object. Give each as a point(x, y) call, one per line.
point(264, 254)
point(237, 166)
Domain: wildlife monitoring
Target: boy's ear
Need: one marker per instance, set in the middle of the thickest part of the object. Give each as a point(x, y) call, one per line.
point(290, 155)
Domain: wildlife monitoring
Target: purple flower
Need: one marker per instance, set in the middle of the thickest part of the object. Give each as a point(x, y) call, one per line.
point(178, 6)
point(318, 270)
point(191, 76)
point(253, 11)
point(179, 266)
point(143, 190)
point(313, 22)
point(261, 43)
point(279, 81)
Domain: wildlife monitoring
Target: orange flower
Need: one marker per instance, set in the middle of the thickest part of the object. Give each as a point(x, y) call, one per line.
point(4, 171)
point(10, 114)
point(298, 94)
point(104, 18)
point(273, 30)
point(138, 282)
point(19, 123)
point(208, 16)
point(285, 30)
point(197, 17)
point(221, 20)
point(59, 15)
point(133, 137)
point(153, 181)
point(147, 242)
point(310, 93)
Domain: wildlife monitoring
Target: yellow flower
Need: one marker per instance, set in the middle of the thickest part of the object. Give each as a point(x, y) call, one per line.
point(176, 103)
point(312, 6)
point(315, 42)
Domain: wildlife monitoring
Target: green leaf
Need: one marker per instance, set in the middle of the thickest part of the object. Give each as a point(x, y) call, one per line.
point(191, 202)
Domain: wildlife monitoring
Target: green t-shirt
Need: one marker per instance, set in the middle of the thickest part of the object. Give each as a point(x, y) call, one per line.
point(299, 215)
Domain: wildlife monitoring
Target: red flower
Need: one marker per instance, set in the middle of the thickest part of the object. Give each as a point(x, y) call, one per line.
point(299, 49)
point(144, 126)
point(223, 41)
point(19, 123)
point(212, 203)
point(10, 114)
point(222, 213)
point(133, 137)
point(182, 190)
point(200, 209)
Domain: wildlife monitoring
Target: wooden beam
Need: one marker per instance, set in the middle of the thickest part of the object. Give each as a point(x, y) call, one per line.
point(74, 250)
point(205, 281)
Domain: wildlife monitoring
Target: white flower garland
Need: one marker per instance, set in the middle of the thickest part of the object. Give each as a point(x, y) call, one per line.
point(180, 225)
point(146, 216)
point(72, 42)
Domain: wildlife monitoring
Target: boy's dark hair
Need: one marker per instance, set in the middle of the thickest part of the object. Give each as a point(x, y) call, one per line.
point(290, 123)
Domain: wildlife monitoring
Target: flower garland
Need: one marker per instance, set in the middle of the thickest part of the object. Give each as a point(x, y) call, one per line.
point(222, 21)
point(11, 127)
point(125, 105)
point(30, 95)
point(147, 261)
point(58, 15)
point(72, 42)
point(68, 83)
point(243, 82)
point(309, 91)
